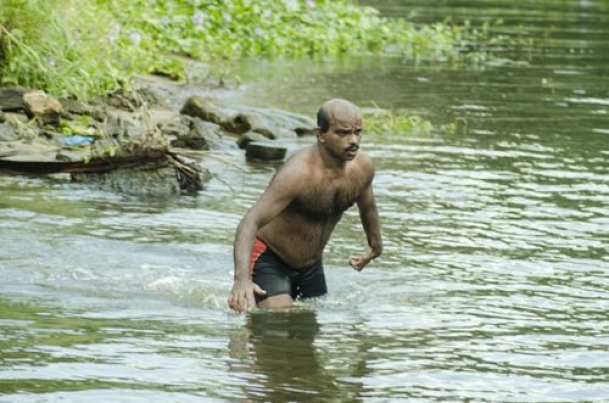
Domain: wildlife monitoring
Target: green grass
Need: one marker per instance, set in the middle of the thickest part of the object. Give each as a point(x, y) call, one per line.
point(86, 48)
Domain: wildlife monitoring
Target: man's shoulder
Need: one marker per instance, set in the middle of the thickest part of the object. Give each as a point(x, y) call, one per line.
point(364, 161)
point(299, 164)
point(299, 159)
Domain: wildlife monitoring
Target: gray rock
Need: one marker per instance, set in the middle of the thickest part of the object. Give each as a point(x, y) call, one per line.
point(193, 133)
point(176, 127)
point(248, 137)
point(264, 124)
point(160, 182)
point(276, 124)
point(11, 98)
point(207, 135)
point(272, 123)
point(138, 182)
point(71, 155)
point(76, 107)
point(121, 127)
point(132, 129)
point(265, 150)
point(204, 109)
point(7, 132)
point(15, 119)
point(100, 113)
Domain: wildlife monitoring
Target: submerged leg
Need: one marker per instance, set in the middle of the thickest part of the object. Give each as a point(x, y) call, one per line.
point(276, 301)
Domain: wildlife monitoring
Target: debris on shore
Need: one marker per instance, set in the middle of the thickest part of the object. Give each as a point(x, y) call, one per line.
point(133, 134)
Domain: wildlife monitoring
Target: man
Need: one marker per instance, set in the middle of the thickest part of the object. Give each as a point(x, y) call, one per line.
point(280, 241)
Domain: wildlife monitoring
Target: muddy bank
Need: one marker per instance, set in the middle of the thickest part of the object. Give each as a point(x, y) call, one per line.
point(136, 141)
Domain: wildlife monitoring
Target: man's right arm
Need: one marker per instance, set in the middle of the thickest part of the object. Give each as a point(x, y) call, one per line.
point(279, 194)
point(242, 294)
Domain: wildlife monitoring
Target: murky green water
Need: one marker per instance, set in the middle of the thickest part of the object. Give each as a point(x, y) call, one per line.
point(494, 285)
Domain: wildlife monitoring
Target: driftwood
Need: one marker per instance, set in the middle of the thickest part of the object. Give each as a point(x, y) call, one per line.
point(188, 177)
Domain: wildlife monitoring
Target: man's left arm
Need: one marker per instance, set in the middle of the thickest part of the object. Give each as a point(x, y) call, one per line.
point(370, 220)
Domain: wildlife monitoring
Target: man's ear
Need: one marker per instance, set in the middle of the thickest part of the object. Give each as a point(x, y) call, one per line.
point(319, 135)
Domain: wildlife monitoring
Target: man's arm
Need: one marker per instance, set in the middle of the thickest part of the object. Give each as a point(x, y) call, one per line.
point(273, 201)
point(370, 220)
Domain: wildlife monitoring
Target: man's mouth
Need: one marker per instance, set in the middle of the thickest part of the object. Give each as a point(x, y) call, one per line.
point(352, 149)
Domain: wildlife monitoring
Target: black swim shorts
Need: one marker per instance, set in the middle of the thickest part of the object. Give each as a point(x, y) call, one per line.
point(276, 277)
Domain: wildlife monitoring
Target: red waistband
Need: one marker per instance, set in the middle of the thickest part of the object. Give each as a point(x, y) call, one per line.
point(257, 250)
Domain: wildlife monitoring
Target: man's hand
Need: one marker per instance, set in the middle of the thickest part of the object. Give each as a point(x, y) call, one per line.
point(241, 297)
point(359, 262)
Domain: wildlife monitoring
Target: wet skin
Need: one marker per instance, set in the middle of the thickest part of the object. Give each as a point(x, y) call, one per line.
point(304, 201)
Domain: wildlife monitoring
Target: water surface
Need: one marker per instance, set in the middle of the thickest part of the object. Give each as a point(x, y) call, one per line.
point(494, 283)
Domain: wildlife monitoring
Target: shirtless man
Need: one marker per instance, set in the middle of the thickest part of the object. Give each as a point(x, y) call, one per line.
point(280, 241)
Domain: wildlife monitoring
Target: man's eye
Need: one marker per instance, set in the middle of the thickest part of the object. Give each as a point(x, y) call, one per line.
point(343, 133)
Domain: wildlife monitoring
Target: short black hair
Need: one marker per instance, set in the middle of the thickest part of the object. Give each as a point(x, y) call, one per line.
point(323, 120)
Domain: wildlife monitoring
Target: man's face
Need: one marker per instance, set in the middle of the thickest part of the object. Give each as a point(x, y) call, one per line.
point(343, 137)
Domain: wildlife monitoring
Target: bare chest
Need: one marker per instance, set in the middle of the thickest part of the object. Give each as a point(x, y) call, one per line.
point(329, 199)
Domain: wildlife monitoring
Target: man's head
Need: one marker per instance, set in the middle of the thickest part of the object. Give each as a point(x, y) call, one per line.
point(339, 129)
point(337, 111)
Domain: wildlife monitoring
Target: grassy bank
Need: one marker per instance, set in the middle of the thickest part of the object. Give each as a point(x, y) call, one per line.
point(75, 48)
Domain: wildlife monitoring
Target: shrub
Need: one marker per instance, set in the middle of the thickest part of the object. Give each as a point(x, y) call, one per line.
point(85, 48)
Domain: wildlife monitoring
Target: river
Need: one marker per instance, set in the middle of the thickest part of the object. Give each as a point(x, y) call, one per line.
point(494, 282)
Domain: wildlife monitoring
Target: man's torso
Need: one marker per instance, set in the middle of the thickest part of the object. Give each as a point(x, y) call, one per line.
point(300, 233)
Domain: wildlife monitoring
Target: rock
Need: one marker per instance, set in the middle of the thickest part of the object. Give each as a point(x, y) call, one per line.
point(248, 137)
point(193, 133)
point(100, 113)
point(39, 105)
point(137, 182)
point(176, 127)
point(303, 125)
point(205, 109)
point(71, 155)
point(28, 131)
point(11, 98)
point(158, 182)
point(120, 125)
point(265, 150)
point(132, 129)
point(264, 124)
point(126, 100)
point(277, 124)
point(76, 107)
point(201, 124)
point(15, 119)
point(7, 133)
point(272, 123)
point(27, 150)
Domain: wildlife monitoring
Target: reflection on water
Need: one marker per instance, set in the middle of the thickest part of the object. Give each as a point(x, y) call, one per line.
point(280, 349)
point(494, 283)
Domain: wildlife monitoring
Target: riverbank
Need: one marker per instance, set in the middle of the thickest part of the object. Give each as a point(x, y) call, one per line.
point(138, 133)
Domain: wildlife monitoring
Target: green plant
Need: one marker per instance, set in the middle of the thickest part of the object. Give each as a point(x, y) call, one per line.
point(42, 48)
point(81, 49)
point(246, 28)
point(62, 47)
point(83, 125)
point(381, 121)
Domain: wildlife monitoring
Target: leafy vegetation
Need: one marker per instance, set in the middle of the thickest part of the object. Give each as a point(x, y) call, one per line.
point(402, 121)
point(237, 28)
point(74, 48)
point(381, 121)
